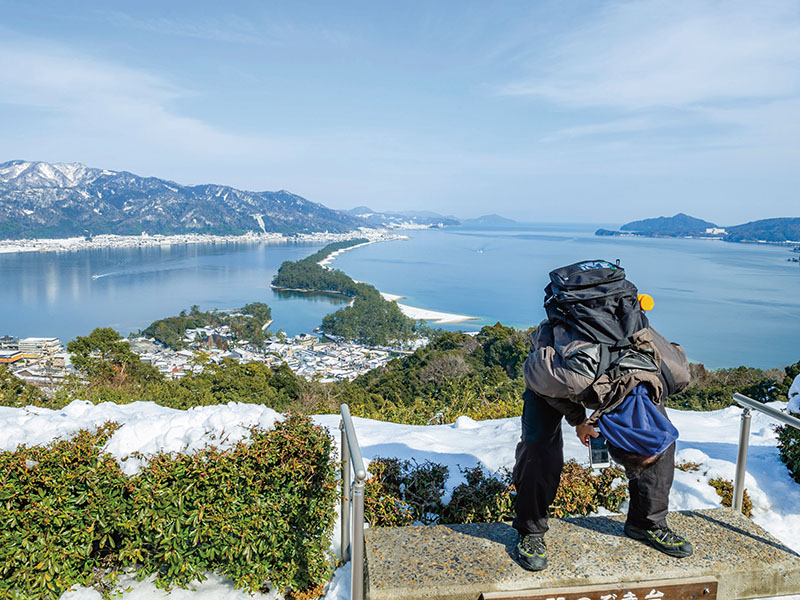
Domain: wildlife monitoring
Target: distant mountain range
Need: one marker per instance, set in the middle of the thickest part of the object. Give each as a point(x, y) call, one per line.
point(56, 200)
point(426, 218)
point(779, 230)
point(395, 220)
point(39, 199)
point(490, 221)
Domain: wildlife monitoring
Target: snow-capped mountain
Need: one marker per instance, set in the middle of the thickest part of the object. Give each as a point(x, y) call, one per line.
point(39, 199)
point(402, 220)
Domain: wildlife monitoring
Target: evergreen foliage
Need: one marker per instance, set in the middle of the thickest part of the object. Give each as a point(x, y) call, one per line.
point(15, 392)
point(307, 275)
point(404, 492)
point(369, 320)
point(712, 390)
point(260, 513)
point(104, 358)
point(483, 498)
point(724, 488)
point(455, 374)
point(789, 437)
point(245, 323)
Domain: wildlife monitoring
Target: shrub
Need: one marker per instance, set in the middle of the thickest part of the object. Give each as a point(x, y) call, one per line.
point(17, 393)
point(724, 489)
point(260, 513)
point(402, 492)
point(61, 507)
point(581, 492)
point(383, 506)
point(688, 466)
point(789, 447)
point(789, 437)
point(482, 499)
point(712, 390)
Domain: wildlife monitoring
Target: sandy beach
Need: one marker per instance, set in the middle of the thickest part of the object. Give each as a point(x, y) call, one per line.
point(423, 314)
point(413, 312)
point(328, 259)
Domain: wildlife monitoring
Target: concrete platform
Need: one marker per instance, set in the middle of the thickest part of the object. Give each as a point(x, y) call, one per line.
point(461, 562)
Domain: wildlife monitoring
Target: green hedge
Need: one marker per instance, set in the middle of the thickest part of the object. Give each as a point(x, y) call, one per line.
point(789, 448)
point(260, 513)
point(404, 492)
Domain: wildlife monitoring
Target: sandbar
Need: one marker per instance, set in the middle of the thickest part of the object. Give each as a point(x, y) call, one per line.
point(423, 314)
point(413, 312)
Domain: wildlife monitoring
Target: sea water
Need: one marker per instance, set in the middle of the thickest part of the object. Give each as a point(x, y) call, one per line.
point(728, 304)
point(66, 294)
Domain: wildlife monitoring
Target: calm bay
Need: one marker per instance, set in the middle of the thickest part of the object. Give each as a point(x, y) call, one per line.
point(728, 304)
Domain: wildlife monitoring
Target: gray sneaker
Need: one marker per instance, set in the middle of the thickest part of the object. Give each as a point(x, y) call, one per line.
point(532, 552)
point(662, 539)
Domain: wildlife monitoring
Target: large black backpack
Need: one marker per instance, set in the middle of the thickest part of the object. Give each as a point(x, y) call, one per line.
point(594, 298)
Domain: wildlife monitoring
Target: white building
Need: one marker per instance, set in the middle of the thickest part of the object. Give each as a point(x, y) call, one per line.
point(34, 347)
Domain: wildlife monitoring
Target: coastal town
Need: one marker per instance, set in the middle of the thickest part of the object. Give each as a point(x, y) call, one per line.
point(144, 240)
point(45, 363)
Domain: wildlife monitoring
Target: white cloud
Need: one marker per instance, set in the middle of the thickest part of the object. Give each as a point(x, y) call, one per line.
point(641, 55)
point(104, 105)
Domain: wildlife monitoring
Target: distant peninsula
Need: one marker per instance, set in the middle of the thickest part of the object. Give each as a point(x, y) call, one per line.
point(780, 230)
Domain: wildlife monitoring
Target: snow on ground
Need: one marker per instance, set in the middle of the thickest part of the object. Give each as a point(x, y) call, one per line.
point(707, 438)
point(145, 428)
point(213, 588)
point(794, 396)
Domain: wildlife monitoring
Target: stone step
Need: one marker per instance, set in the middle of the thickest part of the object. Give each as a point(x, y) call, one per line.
point(462, 562)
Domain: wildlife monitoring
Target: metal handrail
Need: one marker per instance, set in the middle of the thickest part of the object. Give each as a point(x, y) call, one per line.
point(744, 440)
point(352, 509)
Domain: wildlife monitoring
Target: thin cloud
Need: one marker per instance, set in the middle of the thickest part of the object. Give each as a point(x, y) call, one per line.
point(644, 55)
point(257, 30)
point(232, 29)
point(87, 98)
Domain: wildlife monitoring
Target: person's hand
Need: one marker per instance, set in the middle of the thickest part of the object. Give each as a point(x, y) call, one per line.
point(584, 432)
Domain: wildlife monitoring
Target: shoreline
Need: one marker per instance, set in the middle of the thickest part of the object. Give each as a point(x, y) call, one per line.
point(424, 314)
point(328, 259)
point(279, 288)
point(611, 233)
point(413, 312)
point(75, 244)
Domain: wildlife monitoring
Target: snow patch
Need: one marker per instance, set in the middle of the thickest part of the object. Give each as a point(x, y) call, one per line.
point(707, 438)
point(146, 428)
point(794, 397)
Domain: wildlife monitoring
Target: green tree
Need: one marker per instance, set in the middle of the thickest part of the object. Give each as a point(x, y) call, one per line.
point(15, 392)
point(105, 358)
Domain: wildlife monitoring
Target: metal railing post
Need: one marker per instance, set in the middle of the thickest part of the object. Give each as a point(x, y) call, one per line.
point(357, 580)
point(352, 500)
point(741, 461)
point(744, 439)
point(346, 498)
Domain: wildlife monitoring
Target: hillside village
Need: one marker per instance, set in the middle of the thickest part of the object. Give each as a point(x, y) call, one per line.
point(45, 363)
point(307, 355)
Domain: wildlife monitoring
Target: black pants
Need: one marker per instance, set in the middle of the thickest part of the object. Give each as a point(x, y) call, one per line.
point(540, 458)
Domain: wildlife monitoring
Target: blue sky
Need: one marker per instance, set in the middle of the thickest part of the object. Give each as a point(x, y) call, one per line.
point(549, 111)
